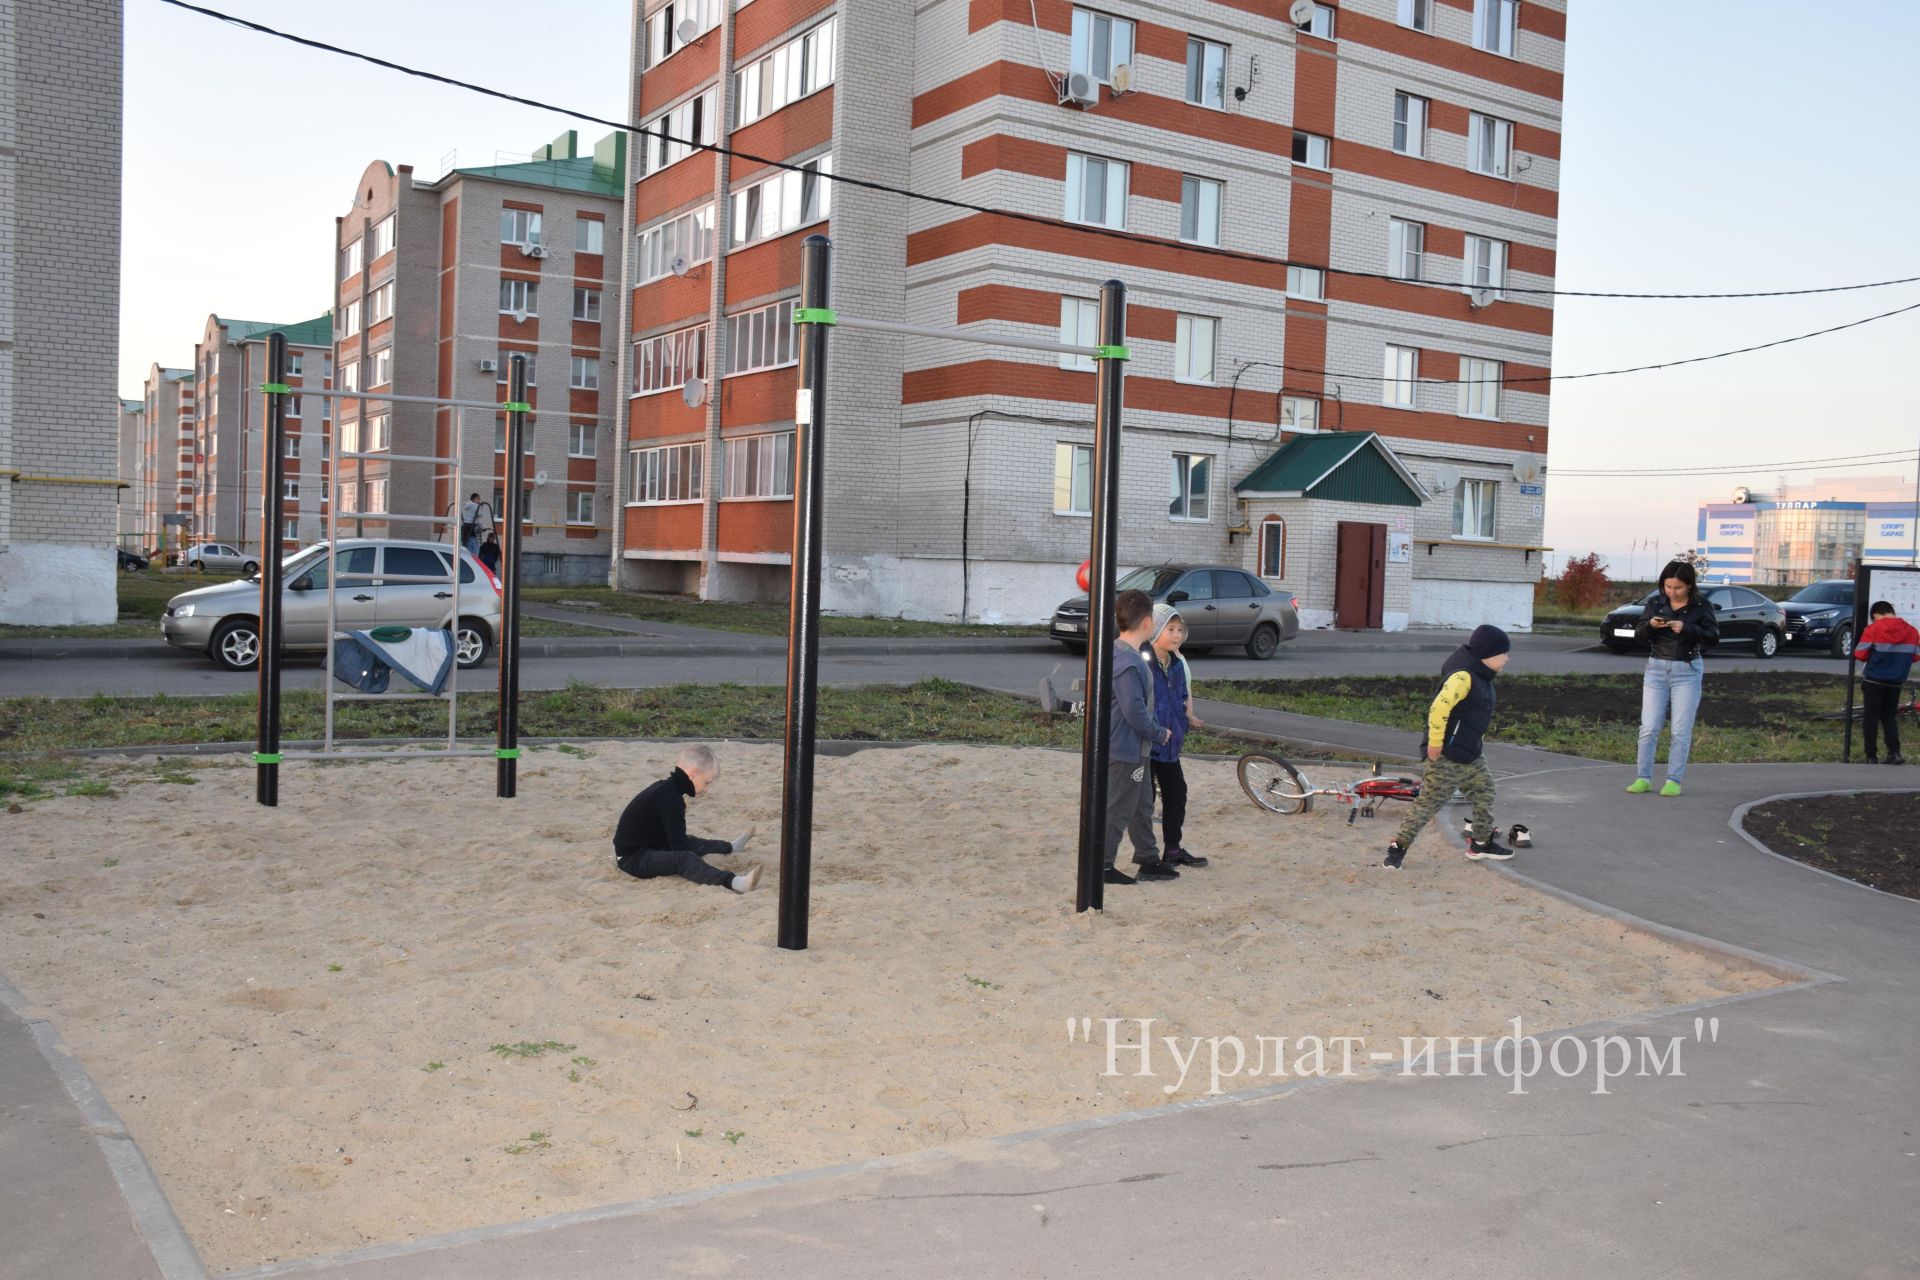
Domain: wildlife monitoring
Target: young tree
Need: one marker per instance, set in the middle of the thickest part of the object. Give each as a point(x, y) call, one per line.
point(1583, 582)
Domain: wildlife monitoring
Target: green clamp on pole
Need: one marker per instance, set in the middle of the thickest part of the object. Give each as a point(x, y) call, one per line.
point(517, 406)
point(276, 388)
point(1113, 353)
point(815, 315)
point(506, 753)
point(267, 757)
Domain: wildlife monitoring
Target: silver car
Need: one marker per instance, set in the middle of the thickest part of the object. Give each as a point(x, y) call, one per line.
point(383, 582)
point(1220, 604)
point(221, 557)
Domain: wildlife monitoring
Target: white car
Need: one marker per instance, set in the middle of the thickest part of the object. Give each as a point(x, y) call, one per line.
point(224, 557)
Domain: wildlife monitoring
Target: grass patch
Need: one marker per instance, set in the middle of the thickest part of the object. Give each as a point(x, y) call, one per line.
point(530, 1048)
point(535, 1141)
point(751, 619)
point(36, 779)
point(142, 598)
point(1745, 716)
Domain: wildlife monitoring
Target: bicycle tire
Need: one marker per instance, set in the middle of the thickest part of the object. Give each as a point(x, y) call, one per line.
point(1273, 784)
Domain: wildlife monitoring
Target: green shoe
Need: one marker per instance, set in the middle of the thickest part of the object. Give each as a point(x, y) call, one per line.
point(1671, 789)
point(1640, 787)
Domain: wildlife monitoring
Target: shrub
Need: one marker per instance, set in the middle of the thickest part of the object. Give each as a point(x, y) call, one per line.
point(1583, 582)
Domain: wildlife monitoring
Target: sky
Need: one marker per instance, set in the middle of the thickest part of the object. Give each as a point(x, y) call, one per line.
point(1709, 146)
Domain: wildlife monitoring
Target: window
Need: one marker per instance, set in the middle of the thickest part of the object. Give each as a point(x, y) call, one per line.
point(295, 363)
point(1298, 413)
point(1100, 43)
point(688, 237)
point(758, 466)
point(293, 405)
point(380, 304)
point(1307, 282)
point(376, 495)
point(761, 339)
point(383, 237)
point(1409, 124)
point(676, 133)
point(292, 446)
point(584, 373)
point(666, 362)
point(290, 530)
point(1079, 327)
point(1406, 246)
point(1200, 200)
point(349, 320)
point(350, 260)
point(1189, 495)
point(290, 490)
point(502, 369)
point(1493, 25)
point(589, 235)
point(1321, 23)
point(526, 505)
point(350, 437)
point(1416, 14)
point(788, 199)
point(669, 474)
point(1484, 263)
point(520, 298)
point(1193, 348)
point(1073, 479)
point(350, 498)
point(586, 305)
point(380, 435)
point(1312, 150)
point(580, 506)
point(1273, 548)
point(580, 440)
point(1096, 191)
point(663, 26)
point(1489, 144)
point(1473, 509)
point(1480, 388)
point(350, 376)
point(382, 372)
point(519, 226)
point(796, 69)
point(1206, 73)
point(1402, 369)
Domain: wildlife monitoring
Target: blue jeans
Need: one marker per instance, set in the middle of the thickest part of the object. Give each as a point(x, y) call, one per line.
point(1669, 684)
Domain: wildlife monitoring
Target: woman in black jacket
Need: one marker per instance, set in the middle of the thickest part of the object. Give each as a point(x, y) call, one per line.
point(1679, 627)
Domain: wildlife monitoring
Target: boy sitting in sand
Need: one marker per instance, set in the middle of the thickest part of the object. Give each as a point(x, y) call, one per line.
point(652, 838)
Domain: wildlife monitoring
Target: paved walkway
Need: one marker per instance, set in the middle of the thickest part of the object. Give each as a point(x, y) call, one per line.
point(1790, 1147)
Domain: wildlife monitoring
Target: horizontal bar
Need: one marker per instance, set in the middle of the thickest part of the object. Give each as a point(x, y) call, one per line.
point(385, 517)
point(429, 754)
point(391, 697)
point(384, 456)
point(398, 399)
point(967, 335)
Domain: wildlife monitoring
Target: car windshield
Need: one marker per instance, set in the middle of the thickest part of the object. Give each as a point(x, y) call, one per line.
point(1825, 593)
point(1152, 580)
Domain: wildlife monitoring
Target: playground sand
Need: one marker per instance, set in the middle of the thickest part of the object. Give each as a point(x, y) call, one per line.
point(294, 1010)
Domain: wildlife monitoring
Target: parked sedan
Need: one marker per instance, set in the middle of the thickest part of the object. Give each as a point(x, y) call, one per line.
point(1220, 605)
point(222, 556)
point(1820, 616)
point(129, 561)
point(382, 582)
point(1745, 617)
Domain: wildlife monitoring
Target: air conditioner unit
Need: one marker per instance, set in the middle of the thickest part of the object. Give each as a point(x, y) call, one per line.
point(489, 366)
point(1081, 88)
point(534, 250)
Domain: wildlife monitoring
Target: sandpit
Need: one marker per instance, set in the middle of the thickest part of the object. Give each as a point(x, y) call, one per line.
point(295, 1010)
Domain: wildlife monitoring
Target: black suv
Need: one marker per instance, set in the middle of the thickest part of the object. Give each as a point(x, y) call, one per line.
point(1820, 616)
point(1745, 617)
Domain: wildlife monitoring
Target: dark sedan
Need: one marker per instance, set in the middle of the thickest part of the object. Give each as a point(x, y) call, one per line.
point(1820, 616)
point(1745, 617)
point(130, 561)
point(1220, 605)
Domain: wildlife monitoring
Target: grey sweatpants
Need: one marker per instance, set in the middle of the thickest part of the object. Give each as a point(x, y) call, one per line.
point(1130, 809)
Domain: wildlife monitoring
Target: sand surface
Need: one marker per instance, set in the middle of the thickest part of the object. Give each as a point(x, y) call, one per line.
point(294, 1009)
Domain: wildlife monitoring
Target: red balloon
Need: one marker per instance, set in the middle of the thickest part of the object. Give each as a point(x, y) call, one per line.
point(1084, 576)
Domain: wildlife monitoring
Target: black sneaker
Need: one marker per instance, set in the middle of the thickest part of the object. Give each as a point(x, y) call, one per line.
point(1478, 849)
point(1157, 870)
point(1869, 759)
point(1181, 858)
point(1896, 758)
point(1395, 855)
point(1115, 875)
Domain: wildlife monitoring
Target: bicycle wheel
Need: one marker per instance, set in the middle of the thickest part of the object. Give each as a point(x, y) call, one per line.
point(1272, 783)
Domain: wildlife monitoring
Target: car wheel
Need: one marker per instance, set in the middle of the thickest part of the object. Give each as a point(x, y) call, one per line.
point(236, 645)
point(472, 643)
point(250, 568)
point(1843, 640)
point(1767, 643)
point(1262, 643)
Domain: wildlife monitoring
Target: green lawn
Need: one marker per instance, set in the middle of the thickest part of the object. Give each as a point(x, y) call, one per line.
point(754, 619)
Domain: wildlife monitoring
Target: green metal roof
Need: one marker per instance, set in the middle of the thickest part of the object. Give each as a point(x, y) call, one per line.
point(1340, 466)
point(133, 406)
point(317, 332)
point(559, 165)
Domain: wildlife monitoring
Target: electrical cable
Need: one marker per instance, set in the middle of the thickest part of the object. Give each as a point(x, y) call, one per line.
point(1729, 471)
point(1880, 455)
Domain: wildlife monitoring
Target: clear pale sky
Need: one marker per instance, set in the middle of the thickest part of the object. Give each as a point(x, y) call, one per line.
point(1710, 145)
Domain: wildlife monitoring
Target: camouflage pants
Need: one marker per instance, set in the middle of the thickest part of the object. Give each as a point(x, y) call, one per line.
point(1443, 778)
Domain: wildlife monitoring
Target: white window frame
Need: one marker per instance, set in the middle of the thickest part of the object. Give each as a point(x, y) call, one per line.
point(1406, 248)
point(350, 376)
point(290, 529)
point(1197, 196)
point(586, 304)
point(381, 372)
point(1410, 115)
point(583, 373)
point(291, 446)
point(589, 234)
point(294, 405)
point(783, 202)
point(519, 226)
point(687, 235)
point(1399, 388)
point(501, 372)
point(757, 468)
point(1187, 330)
point(677, 133)
point(1267, 528)
point(380, 435)
point(376, 497)
point(1476, 502)
point(1321, 23)
point(1496, 24)
point(1111, 179)
point(761, 339)
point(348, 435)
point(350, 260)
point(289, 490)
point(1415, 15)
point(800, 68)
point(296, 363)
point(1181, 496)
point(580, 440)
point(1073, 480)
point(1099, 42)
point(665, 361)
point(1480, 387)
point(665, 475)
point(1079, 327)
point(1308, 283)
point(383, 237)
point(349, 322)
point(1489, 145)
point(1300, 414)
point(1483, 264)
point(662, 38)
point(580, 507)
point(380, 304)
point(527, 294)
point(1316, 146)
point(1206, 82)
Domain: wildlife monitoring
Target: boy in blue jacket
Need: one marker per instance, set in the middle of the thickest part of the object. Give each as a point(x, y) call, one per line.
point(1173, 708)
point(1130, 743)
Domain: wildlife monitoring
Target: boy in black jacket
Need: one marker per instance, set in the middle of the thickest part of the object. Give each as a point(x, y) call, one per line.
point(652, 838)
point(1456, 725)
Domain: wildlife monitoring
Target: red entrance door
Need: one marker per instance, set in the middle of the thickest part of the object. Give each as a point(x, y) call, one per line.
point(1360, 577)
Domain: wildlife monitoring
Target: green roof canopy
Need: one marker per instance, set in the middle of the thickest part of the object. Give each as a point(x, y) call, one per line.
point(317, 332)
point(1341, 466)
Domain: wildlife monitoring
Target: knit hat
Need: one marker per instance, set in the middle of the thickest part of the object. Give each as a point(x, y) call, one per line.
point(1488, 641)
point(1162, 615)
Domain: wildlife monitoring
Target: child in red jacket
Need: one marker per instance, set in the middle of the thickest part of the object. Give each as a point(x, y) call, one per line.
point(1887, 646)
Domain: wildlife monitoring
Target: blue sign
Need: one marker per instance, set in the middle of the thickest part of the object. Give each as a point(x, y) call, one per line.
point(1533, 490)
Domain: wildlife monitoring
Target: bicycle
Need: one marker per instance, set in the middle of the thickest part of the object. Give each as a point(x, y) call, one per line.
point(1275, 785)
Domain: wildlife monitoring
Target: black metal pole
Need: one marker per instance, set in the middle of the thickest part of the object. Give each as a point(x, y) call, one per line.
point(266, 747)
point(507, 748)
point(1862, 592)
point(1105, 553)
point(803, 610)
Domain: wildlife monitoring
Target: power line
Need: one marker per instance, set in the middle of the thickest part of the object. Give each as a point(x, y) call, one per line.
point(1752, 466)
point(1013, 215)
point(1683, 473)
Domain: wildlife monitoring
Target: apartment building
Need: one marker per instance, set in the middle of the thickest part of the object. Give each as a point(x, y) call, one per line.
point(1389, 168)
point(60, 134)
point(129, 530)
point(230, 363)
point(162, 492)
point(439, 284)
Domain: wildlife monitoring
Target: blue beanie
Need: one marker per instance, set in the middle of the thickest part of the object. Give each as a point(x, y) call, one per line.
point(1488, 641)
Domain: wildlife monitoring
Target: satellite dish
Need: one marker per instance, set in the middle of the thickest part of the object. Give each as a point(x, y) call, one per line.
point(1123, 78)
point(1482, 298)
point(539, 479)
point(1742, 494)
point(1301, 12)
point(1527, 470)
point(679, 265)
point(694, 392)
point(687, 31)
point(1445, 478)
